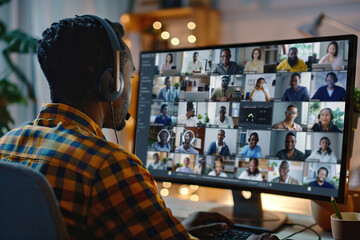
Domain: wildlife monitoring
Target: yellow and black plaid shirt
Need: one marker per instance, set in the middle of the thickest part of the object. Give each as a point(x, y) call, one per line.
point(104, 191)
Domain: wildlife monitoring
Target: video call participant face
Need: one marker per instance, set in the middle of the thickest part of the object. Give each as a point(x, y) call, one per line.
point(325, 117)
point(290, 142)
point(260, 83)
point(225, 56)
point(222, 112)
point(225, 81)
point(283, 170)
point(190, 111)
point(255, 54)
point(156, 157)
point(167, 82)
point(188, 137)
point(324, 143)
point(322, 174)
point(330, 80)
point(295, 81)
point(333, 49)
point(254, 139)
point(169, 58)
point(221, 136)
point(164, 135)
point(218, 167)
point(164, 110)
point(195, 56)
point(202, 161)
point(253, 164)
point(291, 113)
point(292, 56)
point(186, 161)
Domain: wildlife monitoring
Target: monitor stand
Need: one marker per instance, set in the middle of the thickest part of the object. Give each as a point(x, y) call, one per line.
point(248, 214)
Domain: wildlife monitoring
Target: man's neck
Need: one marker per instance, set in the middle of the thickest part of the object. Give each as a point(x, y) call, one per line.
point(188, 116)
point(290, 151)
point(222, 118)
point(290, 123)
point(220, 143)
point(320, 183)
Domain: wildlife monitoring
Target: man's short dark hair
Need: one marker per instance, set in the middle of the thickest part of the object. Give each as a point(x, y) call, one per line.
point(225, 49)
point(167, 79)
point(293, 48)
point(291, 106)
point(72, 54)
point(162, 107)
point(155, 154)
point(323, 168)
point(290, 134)
point(295, 74)
point(189, 106)
point(195, 53)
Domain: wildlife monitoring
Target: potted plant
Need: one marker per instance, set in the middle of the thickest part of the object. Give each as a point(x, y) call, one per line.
point(14, 42)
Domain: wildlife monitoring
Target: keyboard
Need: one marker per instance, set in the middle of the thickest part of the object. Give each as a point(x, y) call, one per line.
point(232, 233)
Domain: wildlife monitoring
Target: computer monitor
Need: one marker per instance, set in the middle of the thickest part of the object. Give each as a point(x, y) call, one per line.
point(254, 116)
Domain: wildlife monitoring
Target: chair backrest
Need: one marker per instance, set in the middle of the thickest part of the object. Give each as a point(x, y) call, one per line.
point(28, 208)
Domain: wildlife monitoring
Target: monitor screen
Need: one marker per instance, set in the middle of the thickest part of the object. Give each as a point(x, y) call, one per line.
point(271, 117)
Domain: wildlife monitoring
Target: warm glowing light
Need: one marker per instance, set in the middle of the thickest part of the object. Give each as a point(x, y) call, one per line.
point(166, 184)
point(191, 39)
point(125, 18)
point(183, 190)
point(194, 187)
point(175, 41)
point(164, 192)
point(191, 25)
point(128, 43)
point(165, 35)
point(246, 194)
point(194, 198)
point(157, 25)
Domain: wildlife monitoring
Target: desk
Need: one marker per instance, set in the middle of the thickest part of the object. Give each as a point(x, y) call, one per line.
point(182, 207)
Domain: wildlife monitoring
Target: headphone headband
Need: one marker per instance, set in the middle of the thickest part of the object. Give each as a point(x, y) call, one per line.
point(110, 84)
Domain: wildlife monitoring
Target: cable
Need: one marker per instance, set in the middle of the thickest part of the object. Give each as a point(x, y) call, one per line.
point(113, 120)
point(302, 230)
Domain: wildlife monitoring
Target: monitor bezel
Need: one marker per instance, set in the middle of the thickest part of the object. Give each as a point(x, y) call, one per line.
point(348, 132)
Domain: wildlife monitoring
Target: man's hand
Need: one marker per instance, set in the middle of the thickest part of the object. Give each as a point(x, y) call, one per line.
point(206, 224)
point(264, 236)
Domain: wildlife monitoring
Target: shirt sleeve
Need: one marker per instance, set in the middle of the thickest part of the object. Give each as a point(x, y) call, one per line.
point(280, 66)
point(126, 205)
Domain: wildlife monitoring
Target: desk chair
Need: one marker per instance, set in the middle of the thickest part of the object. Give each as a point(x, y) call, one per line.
point(28, 208)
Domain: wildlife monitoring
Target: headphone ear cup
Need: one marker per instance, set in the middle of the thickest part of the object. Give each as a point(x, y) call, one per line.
point(107, 86)
point(319, 116)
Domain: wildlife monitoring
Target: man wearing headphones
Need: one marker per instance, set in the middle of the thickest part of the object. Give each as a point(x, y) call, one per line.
point(219, 147)
point(296, 92)
point(162, 144)
point(330, 92)
point(218, 168)
point(104, 192)
point(320, 181)
point(252, 150)
point(187, 139)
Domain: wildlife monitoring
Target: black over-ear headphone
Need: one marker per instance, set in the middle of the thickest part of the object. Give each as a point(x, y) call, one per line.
point(110, 84)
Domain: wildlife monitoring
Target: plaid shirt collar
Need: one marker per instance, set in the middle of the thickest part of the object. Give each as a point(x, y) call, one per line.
point(51, 114)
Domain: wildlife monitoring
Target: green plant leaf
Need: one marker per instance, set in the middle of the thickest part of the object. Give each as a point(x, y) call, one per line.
point(4, 1)
point(20, 75)
point(19, 42)
point(2, 28)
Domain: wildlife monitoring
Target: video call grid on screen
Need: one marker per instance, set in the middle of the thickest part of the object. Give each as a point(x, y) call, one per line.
point(259, 111)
